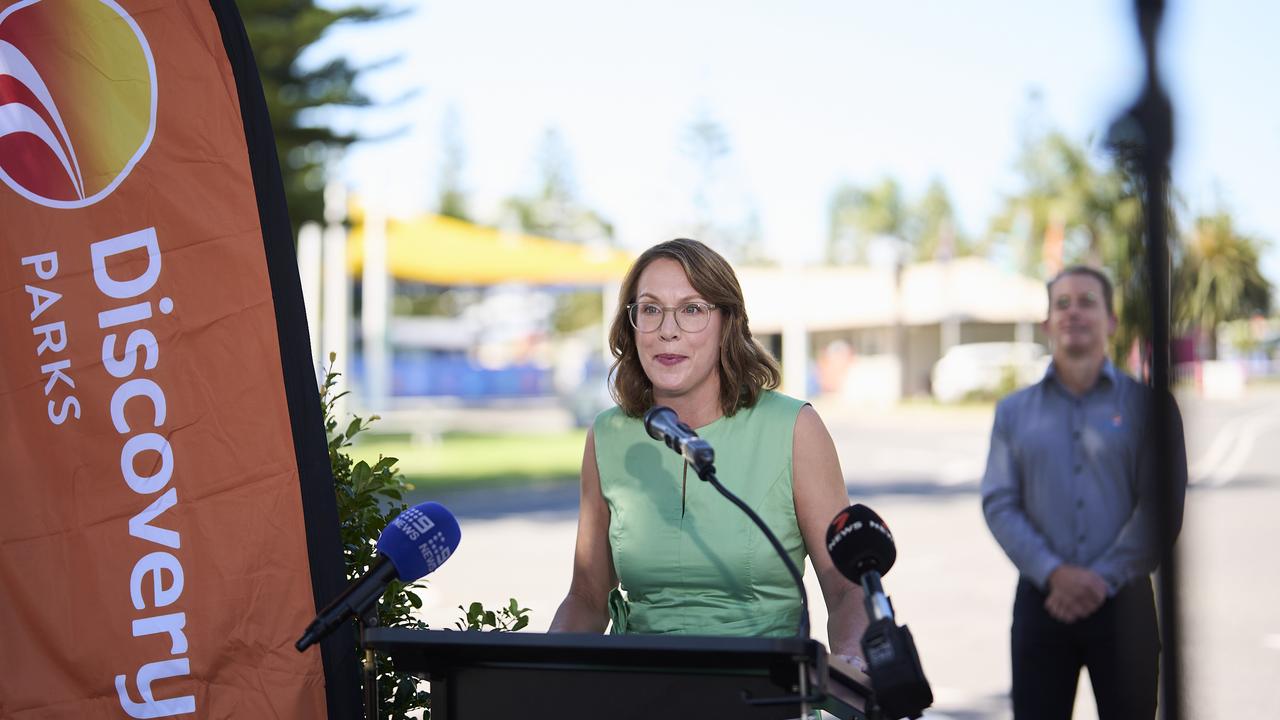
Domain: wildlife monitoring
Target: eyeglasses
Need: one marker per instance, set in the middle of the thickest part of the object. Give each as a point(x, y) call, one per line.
point(690, 317)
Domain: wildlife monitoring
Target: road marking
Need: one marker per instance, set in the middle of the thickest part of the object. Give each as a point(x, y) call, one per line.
point(1230, 449)
point(1222, 442)
point(1230, 468)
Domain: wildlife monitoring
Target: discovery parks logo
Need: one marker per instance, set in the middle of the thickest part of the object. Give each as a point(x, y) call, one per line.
point(77, 99)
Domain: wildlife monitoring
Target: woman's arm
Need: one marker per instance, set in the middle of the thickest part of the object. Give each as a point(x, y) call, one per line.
point(819, 491)
point(586, 607)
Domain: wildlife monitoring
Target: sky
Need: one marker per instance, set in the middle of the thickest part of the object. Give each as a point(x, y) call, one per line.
point(810, 95)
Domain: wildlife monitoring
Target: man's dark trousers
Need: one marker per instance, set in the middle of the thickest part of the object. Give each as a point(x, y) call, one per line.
point(1119, 643)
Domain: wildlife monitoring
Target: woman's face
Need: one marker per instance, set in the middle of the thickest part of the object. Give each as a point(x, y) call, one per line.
point(680, 364)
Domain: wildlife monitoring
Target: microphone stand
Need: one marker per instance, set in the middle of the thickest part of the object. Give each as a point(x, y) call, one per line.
point(893, 663)
point(368, 618)
point(876, 602)
point(707, 472)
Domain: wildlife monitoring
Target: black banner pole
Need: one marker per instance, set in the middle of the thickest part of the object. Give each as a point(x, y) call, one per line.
point(1148, 125)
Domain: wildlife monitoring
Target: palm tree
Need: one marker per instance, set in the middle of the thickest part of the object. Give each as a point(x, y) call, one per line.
point(1076, 210)
point(1070, 203)
point(1122, 241)
point(1218, 279)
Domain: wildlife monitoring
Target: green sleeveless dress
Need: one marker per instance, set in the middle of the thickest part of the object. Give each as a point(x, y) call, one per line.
point(688, 560)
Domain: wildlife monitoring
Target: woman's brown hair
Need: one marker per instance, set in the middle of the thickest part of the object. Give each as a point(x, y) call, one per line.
point(746, 368)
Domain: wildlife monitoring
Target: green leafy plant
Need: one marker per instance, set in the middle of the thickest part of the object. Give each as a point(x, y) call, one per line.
point(510, 618)
point(370, 497)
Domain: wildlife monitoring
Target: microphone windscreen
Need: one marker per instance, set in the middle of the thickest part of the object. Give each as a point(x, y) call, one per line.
point(656, 418)
point(420, 539)
point(859, 541)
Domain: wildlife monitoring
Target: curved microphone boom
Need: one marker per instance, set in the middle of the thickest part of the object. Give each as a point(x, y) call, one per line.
point(417, 542)
point(862, 549)
point(664, 425)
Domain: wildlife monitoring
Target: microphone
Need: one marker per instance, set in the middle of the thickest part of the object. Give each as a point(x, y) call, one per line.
point(417, 542)
point(664, 425)
point(862, 549)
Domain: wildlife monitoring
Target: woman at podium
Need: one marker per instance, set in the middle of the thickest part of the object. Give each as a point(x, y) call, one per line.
point(660, 551)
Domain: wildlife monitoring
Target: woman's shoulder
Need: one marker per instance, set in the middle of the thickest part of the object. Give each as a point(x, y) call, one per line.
point(774, 413)
point(772, 401)
point(611, 419)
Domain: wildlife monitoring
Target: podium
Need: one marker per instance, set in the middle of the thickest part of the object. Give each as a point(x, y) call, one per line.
point(479, 675)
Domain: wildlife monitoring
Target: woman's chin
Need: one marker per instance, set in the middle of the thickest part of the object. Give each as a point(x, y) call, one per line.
point(669, 389)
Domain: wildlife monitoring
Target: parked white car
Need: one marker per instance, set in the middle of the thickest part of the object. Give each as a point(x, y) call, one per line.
point(988, 368)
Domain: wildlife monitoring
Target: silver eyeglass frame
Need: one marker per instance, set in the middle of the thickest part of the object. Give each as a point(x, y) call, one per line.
point(635, 323)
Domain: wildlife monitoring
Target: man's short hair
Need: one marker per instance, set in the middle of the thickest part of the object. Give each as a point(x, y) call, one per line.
point(1088, 271)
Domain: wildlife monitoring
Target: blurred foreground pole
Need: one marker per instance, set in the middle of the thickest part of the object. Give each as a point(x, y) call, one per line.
point(310, 273)
point(375, 308)
point(1148, 124)
point(335, 306)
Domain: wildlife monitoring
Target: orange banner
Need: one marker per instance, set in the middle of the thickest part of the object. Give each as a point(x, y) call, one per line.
point(153, 547)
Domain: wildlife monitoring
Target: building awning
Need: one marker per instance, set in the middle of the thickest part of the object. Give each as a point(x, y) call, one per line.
point(444, 251)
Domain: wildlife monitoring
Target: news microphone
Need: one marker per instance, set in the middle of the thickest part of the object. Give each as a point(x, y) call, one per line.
point(664, 425)
point(862, 549)
point(417, 542)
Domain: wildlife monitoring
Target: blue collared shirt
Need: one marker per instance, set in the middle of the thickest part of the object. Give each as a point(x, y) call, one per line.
point(1068, 480)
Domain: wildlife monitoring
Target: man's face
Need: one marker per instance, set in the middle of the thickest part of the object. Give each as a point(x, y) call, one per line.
point(1079, 324)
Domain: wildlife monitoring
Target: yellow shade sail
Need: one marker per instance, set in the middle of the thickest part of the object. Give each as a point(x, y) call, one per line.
point(444, 251)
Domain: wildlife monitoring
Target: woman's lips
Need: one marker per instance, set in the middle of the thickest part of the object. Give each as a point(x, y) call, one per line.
point(668, 359)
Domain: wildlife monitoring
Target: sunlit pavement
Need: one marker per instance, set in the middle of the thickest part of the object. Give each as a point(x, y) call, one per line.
point(918, 467)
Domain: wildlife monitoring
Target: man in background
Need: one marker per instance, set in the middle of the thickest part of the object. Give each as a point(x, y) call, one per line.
point(1070, 495)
